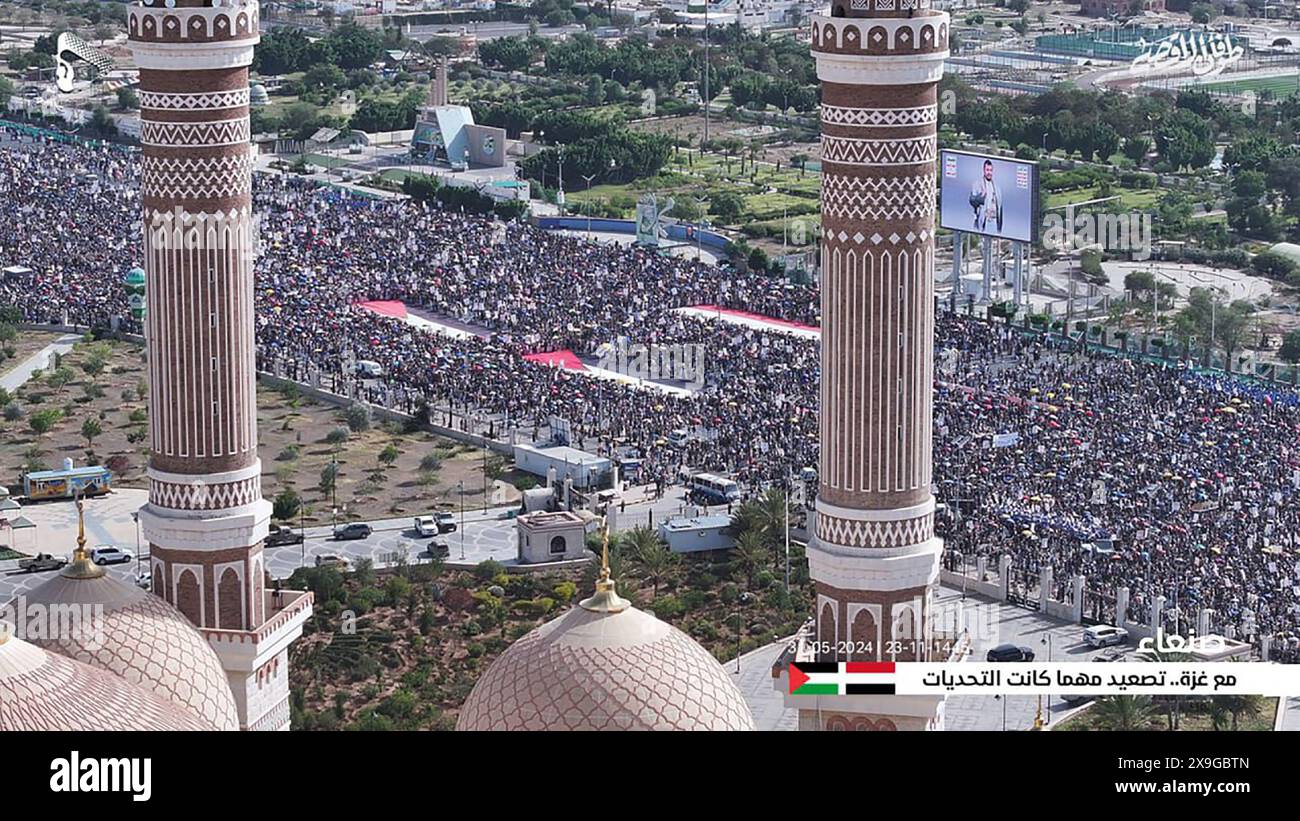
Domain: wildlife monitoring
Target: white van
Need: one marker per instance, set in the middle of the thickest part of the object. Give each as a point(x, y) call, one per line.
point(369, 370)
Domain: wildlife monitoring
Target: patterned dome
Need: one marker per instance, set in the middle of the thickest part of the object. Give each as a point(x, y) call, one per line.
point(605, 670)
point(144, 640)
point(45, 691)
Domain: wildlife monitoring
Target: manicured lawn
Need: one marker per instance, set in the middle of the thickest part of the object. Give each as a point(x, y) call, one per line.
point(1280, 87)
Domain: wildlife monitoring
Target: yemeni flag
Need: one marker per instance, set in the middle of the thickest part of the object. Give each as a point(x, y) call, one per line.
point(845, 678)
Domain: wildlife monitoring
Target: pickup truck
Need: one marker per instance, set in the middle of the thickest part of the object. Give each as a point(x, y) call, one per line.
point(41, 561)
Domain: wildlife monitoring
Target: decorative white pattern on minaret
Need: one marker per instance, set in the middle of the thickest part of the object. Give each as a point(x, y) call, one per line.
point(206, 518)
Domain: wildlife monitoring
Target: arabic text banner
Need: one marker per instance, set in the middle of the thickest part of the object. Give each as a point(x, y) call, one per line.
point(1082, 678)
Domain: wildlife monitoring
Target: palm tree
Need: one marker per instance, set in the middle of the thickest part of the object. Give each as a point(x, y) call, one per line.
point(1173, 704)
point(1218, 712)
point(1124, 712)
point(773, 511)
point(1239, 706)
point(654, 561)
point(750, 554)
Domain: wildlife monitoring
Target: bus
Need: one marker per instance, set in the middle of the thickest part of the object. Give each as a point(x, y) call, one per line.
point(712, 489)
point(67, 483)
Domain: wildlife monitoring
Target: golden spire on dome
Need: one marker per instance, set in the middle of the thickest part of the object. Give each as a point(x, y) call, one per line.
point(606, 598)
point(81, 567)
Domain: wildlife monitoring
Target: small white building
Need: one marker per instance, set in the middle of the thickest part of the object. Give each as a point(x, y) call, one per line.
point(551, 537)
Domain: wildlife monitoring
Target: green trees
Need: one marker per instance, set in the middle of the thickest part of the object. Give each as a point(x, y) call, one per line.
point(726, 206)
point(42, 422)
point(511, 53)
point(651, 559)
point(1124, 712)
point(750, 554)
point(1185, 139)
point(1290, 351)
point(90, 429)
point(286, 505)
point(1274, 266)
point(1137, 147)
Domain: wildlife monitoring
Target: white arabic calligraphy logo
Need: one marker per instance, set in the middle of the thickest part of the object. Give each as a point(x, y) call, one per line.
point(1177, 644)
point(1207, 54)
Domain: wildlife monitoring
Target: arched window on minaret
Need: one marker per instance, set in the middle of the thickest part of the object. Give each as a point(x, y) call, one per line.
point(231, 615)
point(826, 633)
point(187, 597)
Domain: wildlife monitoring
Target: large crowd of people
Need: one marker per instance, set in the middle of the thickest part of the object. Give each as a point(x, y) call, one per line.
point(1133, 474)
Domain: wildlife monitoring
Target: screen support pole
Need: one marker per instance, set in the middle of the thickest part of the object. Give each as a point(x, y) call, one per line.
point(1018, 257)
point(987, 295)
point(958, 245)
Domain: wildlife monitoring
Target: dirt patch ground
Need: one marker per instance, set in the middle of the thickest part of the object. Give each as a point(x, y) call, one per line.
point(298, 440)
point(23, 345)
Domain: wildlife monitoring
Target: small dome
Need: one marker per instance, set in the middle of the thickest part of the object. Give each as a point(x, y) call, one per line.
point(45, 691)
point(605, 665)
point(257, 95)
point(135, 276)
point(144, 640)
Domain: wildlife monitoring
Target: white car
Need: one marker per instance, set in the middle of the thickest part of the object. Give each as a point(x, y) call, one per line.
point(1104, 635)
point(426, 526)
point(107, 554)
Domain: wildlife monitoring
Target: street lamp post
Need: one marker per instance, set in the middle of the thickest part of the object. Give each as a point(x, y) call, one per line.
point(1047, 639)
point(559, 196)
point(139, 568)
point(588, 178)
point(699, 229)
point(462, 519)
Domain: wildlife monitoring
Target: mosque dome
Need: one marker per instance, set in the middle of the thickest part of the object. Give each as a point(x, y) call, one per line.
point(141, 638)
point(605, 665)
point(257, 95)
point(45, 691)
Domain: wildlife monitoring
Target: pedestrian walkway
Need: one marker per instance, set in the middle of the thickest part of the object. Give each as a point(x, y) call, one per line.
point(16, 377)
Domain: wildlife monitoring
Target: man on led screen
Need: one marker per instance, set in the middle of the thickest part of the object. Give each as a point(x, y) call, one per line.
point(986, 199)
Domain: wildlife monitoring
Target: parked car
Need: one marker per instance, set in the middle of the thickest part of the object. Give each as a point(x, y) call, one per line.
point(332, 560)
point(1010, 652)
point(426, 526)
point(1104, 635)
point(41, 562)
point(436, 550)
point(280, 536)
point(1110, 655)
point(143, 580)
point(356, 530)
point(1076, 698)
point(446, 522)
point(107, 554)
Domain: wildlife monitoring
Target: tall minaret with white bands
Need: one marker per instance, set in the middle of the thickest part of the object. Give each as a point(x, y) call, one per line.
point(206, 518)
point(874, 557)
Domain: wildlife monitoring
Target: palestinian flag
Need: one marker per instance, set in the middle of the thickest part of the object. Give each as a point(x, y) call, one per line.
point(845, 678)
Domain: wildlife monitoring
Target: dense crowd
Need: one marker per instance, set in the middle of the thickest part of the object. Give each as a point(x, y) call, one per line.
point(1139, 475)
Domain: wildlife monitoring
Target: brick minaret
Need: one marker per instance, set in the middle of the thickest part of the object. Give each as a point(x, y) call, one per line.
point(206, 518)
point(874, 557)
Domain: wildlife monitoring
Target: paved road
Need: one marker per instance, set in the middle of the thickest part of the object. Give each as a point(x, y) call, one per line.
point(990, 623)
point(486, 535)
